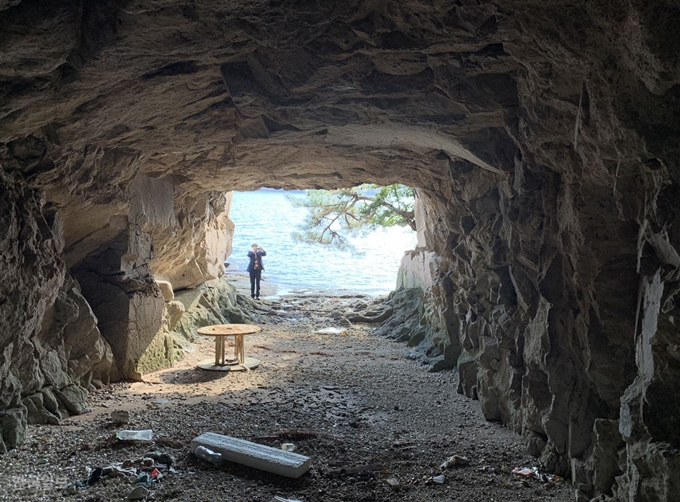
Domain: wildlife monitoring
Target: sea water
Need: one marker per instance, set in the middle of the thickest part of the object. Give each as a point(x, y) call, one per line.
point(267, 218)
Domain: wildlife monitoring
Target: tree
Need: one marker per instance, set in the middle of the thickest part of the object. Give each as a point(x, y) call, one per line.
point(334, 215)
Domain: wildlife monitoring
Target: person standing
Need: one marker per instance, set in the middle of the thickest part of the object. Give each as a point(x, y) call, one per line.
point(255, 268)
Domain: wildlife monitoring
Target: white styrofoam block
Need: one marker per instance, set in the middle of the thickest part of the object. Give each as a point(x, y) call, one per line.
point(258, 456)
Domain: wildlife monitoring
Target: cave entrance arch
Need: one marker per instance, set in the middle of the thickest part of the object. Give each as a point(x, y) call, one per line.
point(368, 265)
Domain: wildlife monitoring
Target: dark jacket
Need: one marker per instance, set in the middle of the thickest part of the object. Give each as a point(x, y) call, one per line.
point(253, 257)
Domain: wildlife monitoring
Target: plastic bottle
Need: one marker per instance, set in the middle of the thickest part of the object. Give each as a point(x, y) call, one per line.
point(143, 435)
point(208, 455)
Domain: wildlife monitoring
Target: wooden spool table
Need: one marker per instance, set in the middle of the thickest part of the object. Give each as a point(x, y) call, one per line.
point(239, 362)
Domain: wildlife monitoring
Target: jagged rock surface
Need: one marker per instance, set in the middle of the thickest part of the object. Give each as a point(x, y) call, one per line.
point(541, 136)
point(416, 321)
point(49, 338)
point(194, 248)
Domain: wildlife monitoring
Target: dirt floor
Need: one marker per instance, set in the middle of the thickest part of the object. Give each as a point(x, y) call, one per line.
point(352, 402)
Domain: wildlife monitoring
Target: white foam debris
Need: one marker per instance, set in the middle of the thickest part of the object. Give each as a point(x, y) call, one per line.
point(274, 460)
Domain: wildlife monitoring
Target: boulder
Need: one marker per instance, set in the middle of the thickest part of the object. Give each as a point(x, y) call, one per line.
point(214, 302)
point(12, 427)
point(166, 290)
point(175, 311)
point(411, 318)
point(73, 398)
point(36, 413)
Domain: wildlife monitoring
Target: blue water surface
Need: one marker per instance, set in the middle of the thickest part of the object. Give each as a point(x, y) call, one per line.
point(267, 218)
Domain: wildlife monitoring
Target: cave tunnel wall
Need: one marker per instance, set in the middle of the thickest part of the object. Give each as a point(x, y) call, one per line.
point(542, 139)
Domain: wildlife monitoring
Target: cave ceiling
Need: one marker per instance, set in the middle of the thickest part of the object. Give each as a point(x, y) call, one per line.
point(240, 94)
point(310, 94)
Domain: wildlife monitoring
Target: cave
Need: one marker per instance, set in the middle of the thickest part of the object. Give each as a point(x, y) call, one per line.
point(541, 138)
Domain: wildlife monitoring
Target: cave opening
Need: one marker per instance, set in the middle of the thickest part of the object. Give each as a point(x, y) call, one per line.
point(366, 261)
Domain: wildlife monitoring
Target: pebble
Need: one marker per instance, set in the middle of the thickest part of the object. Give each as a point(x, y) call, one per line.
point(120, 416)
point(139, 493)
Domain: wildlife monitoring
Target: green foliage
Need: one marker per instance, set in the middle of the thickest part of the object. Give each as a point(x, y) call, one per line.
point(334, 215)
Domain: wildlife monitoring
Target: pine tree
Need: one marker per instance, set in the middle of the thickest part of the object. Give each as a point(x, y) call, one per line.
point(335, 215)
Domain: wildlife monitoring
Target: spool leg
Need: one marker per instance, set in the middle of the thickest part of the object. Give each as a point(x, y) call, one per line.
point(238, 349)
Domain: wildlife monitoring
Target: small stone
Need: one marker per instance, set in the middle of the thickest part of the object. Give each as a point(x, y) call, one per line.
point(120, 416)
point(393, 482)
point(454, 460)
point(139, 493)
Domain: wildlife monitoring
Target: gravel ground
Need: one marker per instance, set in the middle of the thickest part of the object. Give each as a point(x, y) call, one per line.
point(352, 402)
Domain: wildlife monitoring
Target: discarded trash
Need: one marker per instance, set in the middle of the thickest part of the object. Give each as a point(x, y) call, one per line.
point(116, 471)
point(258, 456)
point(143, 435)
point(139, 493)
point(143, 472)
point(120, 416)
point(144, 479)
point(160, 458)
point(160, 401)
point(94, 476)
point(288, 447)
point(526, 472)
point(393, 482)
point(208, 455)
point(533, 472)
point(330, 331)
point(454, 460)
point(278, 498)
point(435, 480)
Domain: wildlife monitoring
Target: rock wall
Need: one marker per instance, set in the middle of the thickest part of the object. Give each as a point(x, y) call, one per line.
point(419, 317)
point(415, 319)
point(51, 340)
point(117, 280)
point(558, 303)
point(560, 283)
point(183, 244)
point(560, 278)
point(194, 249)
point(52, 351)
